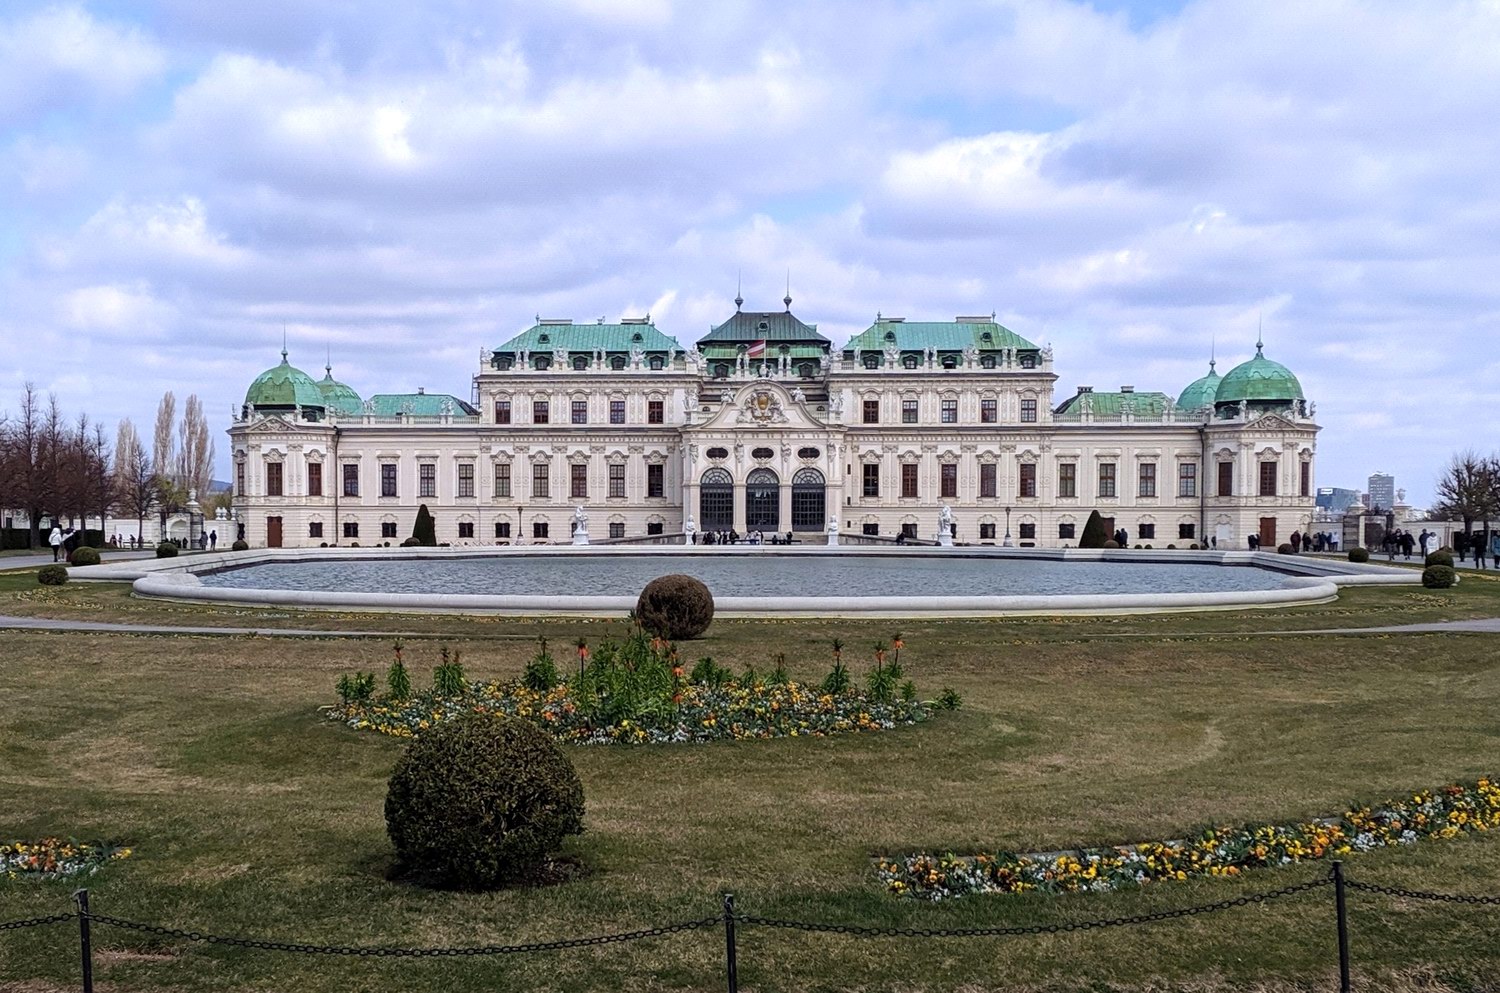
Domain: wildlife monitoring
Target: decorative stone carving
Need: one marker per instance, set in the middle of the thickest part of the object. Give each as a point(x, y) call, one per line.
point(798, 396)
point(762, 407)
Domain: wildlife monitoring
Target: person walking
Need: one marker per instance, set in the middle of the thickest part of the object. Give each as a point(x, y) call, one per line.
point(213, 540)
point(1296, 542)
point(55, 539)
point(1479, 549)
point(1461, 545)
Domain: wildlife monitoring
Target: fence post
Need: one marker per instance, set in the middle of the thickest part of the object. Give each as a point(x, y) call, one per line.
point(1343, 915)
point(85, 942)
point(731, 967)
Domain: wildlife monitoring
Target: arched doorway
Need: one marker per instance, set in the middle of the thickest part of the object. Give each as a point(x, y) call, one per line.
point(808, 510)
point(716, 500)
point(763, 501)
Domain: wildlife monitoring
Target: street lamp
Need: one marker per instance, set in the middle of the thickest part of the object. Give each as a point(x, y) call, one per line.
point(1007, 542)
point(517, 539)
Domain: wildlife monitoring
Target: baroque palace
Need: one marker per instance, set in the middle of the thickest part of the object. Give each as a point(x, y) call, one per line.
point(764, 425)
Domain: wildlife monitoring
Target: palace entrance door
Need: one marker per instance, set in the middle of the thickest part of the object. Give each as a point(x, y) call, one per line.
point(716, 500)
point(763, 501)
point(273, 532)
point(808, 502)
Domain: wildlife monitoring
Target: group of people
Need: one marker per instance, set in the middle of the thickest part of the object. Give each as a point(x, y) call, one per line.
point(733, 537)
point(1322, 541)
point(1480, 544)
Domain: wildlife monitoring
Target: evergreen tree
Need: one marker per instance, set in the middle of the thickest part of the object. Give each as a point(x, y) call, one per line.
point(1094, 535)
point(425, 531)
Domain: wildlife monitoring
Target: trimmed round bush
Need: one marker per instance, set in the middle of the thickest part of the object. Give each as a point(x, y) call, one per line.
point(1111, 543)
point(166, 550)
point(1285, 548)
point(1359, 555)
point(675, 607)
point(84, 555)
point(410, 543)
point(481, 801)
point(1439, 577)
point(1193, 547)
point(52, 575)
point(1440, 557)
point(240, 545)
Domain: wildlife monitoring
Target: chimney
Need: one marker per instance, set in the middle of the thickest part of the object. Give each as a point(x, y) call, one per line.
point(421, 390)
point(1127, 389)
point(1085, 389)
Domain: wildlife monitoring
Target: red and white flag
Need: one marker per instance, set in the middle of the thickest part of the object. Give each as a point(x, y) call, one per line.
point(757, 349)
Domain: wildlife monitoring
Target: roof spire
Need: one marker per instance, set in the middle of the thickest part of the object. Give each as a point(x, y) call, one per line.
point(1213, 347)
point(328, 363)
point(1259, 334)
point(739, 280)
point(788, 298)
point(283, 341)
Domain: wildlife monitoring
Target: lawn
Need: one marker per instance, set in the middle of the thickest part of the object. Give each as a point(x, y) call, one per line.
point(251, 815)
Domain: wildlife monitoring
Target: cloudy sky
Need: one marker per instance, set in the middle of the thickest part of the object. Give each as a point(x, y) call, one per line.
point(1130, 181)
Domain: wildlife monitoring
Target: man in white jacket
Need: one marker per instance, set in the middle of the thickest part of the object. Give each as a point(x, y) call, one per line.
point(55, 539)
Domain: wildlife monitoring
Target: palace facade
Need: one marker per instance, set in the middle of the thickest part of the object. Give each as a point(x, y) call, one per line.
point(764, 425)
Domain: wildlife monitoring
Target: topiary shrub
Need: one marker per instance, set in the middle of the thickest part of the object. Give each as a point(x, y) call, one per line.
point(240, 545)
point(84, 555)
point(1171, 547)
point(675, 607)
point(1359, 554)
point(410, 543)
point(1111, 543)
point(1094, 535)
point(1193, 547)
point(52, 575)
point(166, 550)
point(1439, 577)
point(424, 530)
point(1285, 548)
point(481, 801)
point(1440, 557)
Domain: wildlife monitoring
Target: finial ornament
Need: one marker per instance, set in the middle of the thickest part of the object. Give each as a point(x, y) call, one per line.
point(283, 341)
point(1259, 334)
point(739, 296)
point(788, 298)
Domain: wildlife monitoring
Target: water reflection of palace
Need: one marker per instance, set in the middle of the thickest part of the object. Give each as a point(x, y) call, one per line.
point(764, 425)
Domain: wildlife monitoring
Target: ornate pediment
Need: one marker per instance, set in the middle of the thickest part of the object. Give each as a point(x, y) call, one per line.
point(274, 424)
point(1272, 422)
point(761, 405)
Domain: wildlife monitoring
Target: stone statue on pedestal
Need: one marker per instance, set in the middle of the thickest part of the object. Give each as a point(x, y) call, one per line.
point(580, 525)
point(946, 524)
point(833, 530)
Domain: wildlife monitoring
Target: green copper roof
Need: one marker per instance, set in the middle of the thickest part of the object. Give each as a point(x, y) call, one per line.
point(1258, 380)
point(552, 335)
point(944, 336)
point(773, 326)
point(1201, 392)
point(337, 396)
point(419, 405)
point(1147, 406)
point(284, 386)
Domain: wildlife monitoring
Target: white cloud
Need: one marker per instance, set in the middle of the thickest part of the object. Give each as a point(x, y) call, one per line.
point(61, 57)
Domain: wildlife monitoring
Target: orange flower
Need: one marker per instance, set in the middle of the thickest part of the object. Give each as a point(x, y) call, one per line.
point(677, 671)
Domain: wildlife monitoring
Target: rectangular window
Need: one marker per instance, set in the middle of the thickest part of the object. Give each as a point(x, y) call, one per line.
point(502, 411)
point(948, 477)
point(617, 412)
point(909, 480)
point(1226, 479)
point(466, 479)
point(502, 529)
point(539, 529)
point(1147, 531)
point(315, 479)
point(1187, 479)
point(1147, 480)
point(871, 479)
point(908, 411)
point(1106, 479)
point(541, 481)
point(654, 527)
point(579, 480)
point(427, 479)
point(580, 411)
point(239, 478)
point(1028, 531)
point(351, 529)
point(1306, 481)
point(315, 529)
point(1067, 479)
point(273, 479)
point(656, 481)
point(617, 479)
point(539, 411)
point(1186, 530)
point(388, 529)
point(986, 532)
point(1065, 532)
point(387, 479)
point(1268, 478)
point(987, 485)
point(908, 530)
point(950, 411)
point(1027, 489)
point(617, 529)
point(351, 480)
point(502, 479)
point(656, 411)
point(466, 529)
point(872, 411)
point(873, 530)
point(989, 411)
point(1028, 410)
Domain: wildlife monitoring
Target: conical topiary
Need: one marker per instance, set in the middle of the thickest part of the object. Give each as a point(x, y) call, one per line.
point(1094, 535)
point(425, 531)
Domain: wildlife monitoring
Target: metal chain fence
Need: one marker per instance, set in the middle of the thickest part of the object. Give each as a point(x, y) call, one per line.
point(729, 918)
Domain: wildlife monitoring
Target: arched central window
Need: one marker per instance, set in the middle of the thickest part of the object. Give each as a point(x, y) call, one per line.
point(807, 500)
point(716, 500)
point(763, 501)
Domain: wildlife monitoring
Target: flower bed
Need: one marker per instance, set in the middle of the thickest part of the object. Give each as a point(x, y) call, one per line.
point(1223, 851)
point(52, 858)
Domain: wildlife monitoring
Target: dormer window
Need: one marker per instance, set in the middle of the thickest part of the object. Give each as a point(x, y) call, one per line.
point(506, 362)
point(909, 361)
point(721, 371)
point(1028, 362)
point(617, 363)
point(580, 362)
point(986, 337)
point(654, 362)
point(542, 362)
point(986, 362)
point(872, 361)
point(544, 338)
point(763, 326)
point(637, 337)
point(890, 336)
point(950, 362)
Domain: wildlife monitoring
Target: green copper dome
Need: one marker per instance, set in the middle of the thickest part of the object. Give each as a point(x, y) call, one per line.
point(284, 386)
point(1201, 392)
point(337, 396)
point(1259, 381)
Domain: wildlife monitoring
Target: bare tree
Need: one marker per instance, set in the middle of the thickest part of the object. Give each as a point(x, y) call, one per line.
point(163, 460)
point(103, 493)
point(22, 457)
point(134, 482)
point(1466, 488)
point(195, 457)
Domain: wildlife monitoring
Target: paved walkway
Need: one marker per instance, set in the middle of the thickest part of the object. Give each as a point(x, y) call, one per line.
point(40, 559)
point(1487, 625)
